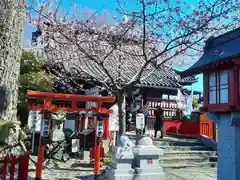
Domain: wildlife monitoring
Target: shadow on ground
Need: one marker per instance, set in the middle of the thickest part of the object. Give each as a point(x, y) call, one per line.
point(88, 177)
point(74, 165)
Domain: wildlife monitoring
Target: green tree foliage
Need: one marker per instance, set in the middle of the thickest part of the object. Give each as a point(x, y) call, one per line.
point(32, 77)
point(195, 102)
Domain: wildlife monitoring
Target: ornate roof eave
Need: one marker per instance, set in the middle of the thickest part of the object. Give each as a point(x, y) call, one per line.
point(189, 80)
point(218, 52)
point(223, 64)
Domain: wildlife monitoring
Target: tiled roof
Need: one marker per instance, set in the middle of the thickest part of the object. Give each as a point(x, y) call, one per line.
point(221, 48)
point(188, 80)
point(161, 77)
point(122, 65)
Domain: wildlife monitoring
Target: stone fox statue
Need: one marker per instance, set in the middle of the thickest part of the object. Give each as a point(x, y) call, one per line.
point(158, 126)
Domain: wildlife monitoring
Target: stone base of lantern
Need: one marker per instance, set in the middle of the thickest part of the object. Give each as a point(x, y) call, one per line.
point(146, 161)
point(149, 174)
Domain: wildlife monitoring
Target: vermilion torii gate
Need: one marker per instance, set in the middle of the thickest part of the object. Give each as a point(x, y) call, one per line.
point(74, 99)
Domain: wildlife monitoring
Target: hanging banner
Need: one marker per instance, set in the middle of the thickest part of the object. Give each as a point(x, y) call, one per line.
point(189, 101)
point(34, 121)
point(45, 128)
point(99, 130)
point(113, 118)
point(140, 121)
point(181, 101)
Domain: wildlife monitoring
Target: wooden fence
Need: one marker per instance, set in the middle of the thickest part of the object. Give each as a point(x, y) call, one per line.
point(14, 168)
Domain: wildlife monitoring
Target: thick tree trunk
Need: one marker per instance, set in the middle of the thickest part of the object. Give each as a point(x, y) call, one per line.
point(11, 33)
point(121, 114)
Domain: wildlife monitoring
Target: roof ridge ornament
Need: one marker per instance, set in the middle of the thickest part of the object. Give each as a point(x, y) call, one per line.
point(208, 43)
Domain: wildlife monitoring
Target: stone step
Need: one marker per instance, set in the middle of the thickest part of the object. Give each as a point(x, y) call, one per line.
point(171, 165)
point(213, 159)
point(177, 143)
point(189, 153)
point(169, 138)
point(184, 148)
point(186, 159)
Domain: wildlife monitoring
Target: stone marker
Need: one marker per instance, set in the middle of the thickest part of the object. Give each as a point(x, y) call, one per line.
point(121, 168)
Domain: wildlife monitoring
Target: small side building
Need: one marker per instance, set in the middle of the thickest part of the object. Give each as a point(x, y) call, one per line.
point(220, 65)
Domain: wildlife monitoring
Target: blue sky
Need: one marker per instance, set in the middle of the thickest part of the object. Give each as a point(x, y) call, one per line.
point(109, 7)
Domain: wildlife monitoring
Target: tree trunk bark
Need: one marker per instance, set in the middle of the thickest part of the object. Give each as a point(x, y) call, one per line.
point(11, 33)
point(121, 114)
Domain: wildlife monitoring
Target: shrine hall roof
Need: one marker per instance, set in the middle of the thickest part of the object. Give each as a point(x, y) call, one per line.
point(122, 65)
point(163, 77)
point(222, 48)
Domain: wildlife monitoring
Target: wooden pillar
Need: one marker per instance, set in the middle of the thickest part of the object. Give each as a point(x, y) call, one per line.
point(97, 147)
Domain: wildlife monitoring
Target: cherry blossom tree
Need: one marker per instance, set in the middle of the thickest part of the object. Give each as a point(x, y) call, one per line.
point(155, 32)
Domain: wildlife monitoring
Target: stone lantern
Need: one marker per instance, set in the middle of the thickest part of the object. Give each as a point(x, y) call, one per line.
point(220, 65)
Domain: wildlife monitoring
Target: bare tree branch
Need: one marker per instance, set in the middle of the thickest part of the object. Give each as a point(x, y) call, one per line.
point(149, 39)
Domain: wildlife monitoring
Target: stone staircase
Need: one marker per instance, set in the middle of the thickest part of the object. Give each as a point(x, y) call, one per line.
point(185, 152)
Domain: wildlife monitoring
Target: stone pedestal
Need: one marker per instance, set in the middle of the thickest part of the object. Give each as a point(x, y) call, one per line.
point(121, 168)
point(228, 145)
point(146, 161)
point(85, 156)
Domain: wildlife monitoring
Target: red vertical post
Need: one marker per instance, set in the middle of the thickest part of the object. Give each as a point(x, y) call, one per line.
point(4, 168)
point(20, 167)
point(206, 90)
point(40, 158)
point(12, 167)
point(23, 167)
point(26, 166)
point(106, 134)
point(97, 148)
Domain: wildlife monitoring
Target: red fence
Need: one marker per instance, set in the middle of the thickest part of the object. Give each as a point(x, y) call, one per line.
point(9, 166)
point(186, 128)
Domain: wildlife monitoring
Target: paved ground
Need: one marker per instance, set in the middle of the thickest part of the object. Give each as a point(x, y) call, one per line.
point(85, 173)
point(191, 174)
point(173, 174)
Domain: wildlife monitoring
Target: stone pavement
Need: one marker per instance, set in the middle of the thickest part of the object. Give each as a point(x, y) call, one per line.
point(69, 172)
point(170, 174)
point(191, 173)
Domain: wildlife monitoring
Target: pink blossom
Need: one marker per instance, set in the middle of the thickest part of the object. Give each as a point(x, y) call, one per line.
point(181, 22)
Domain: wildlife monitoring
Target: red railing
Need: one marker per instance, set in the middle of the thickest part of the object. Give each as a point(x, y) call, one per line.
point(9, 165)
point(206, 128)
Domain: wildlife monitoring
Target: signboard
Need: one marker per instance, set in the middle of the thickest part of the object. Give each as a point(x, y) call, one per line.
point(99, 131)
point(45, 128)
point(34, 121)
point(75, 145)
point(140, 121)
